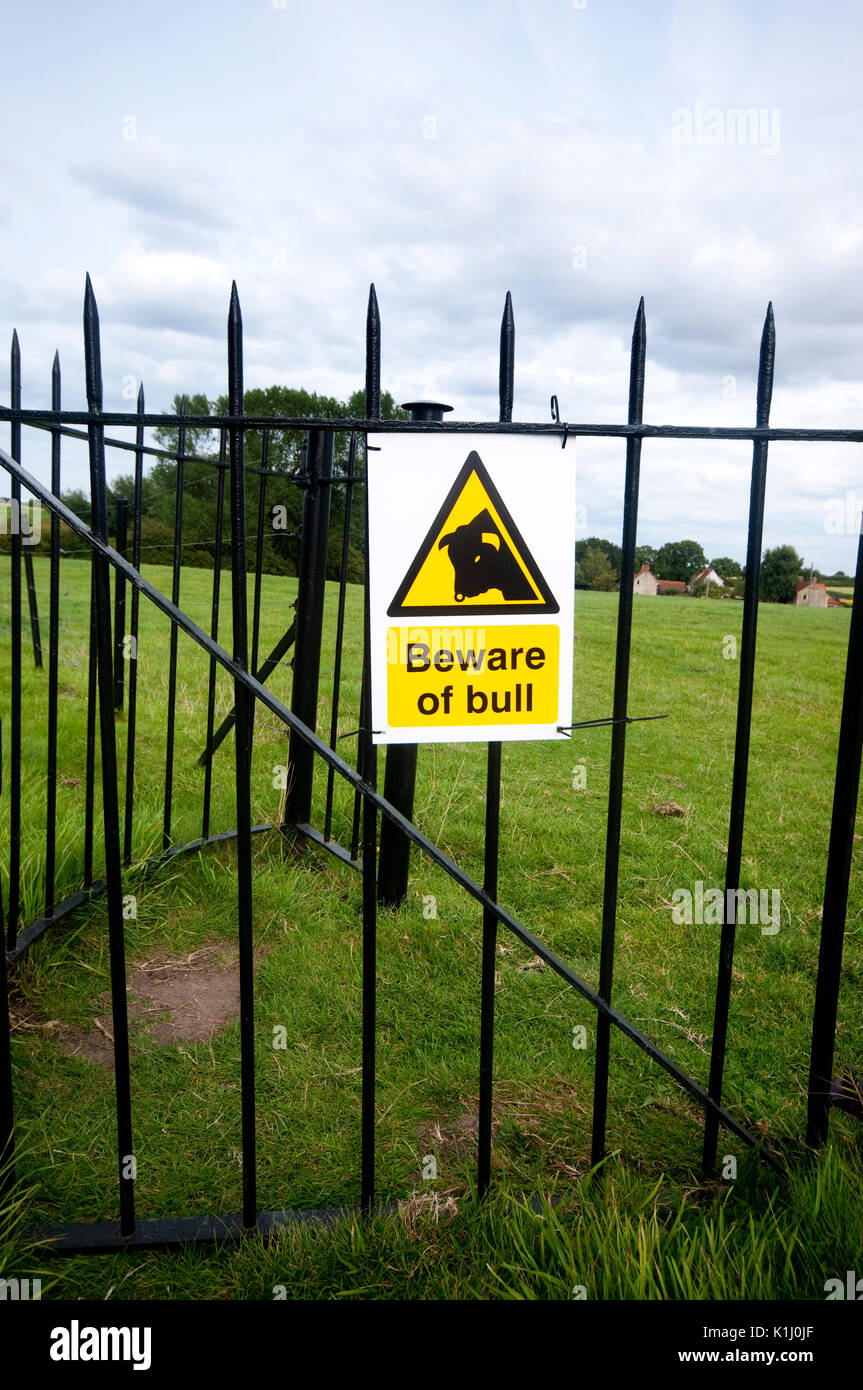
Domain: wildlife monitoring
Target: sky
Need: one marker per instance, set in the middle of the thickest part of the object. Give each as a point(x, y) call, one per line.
point(579, 153)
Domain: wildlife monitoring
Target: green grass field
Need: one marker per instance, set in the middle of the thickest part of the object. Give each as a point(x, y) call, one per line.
point(653, 1229)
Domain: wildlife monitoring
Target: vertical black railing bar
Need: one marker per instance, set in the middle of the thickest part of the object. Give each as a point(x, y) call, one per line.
point(370, 815)
point(214, 633)
point(845, 793)
point(365, 688)
point(90, 752)
point(618, 734)
point(506, 375)
point(259, 565)
point(53, 654)
point(489, 948)
point(7, 1108)
point(110, 806)
point(15, 693)
point(122, 523)
point(364, 723)
point(259, 546)
point(340, 631)
point(2, 936)
point(311, 588)
point(34, 607)
point(15, 402)
point(172, 661)
point(766, 360)
point(243, 749)
point(506, 382)
point(133, 632)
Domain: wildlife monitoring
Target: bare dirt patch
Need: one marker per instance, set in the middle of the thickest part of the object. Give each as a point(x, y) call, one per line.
point(199, 993)
point(455, 1136)
point(171, 1000)
point(457, 1139)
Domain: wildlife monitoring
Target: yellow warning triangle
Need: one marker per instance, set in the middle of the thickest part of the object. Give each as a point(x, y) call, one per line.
point(473, 557)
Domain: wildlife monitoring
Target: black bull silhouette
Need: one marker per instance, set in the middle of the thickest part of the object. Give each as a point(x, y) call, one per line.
point(482, 560)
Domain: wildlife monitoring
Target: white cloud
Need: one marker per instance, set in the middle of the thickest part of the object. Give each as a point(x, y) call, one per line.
point(292, 151)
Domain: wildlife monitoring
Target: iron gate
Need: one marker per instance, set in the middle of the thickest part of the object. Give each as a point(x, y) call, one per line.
point(384, 880)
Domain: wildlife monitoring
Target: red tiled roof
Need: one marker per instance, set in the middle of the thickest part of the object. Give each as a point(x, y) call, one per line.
point(671, 585)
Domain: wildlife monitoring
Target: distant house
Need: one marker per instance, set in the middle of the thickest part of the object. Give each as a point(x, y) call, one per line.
point(645, 582)
point(708, 575)
point(814, 595)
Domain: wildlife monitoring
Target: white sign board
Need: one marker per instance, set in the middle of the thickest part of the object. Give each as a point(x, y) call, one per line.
point(471, 581)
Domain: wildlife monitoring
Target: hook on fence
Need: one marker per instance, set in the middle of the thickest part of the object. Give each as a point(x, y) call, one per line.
point(597, 723)
point(555, 415)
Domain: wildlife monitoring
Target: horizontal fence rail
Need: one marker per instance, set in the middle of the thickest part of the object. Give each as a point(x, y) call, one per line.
point(107, 691)
point(367, 424)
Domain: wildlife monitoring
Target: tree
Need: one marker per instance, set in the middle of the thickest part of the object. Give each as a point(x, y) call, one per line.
point(593, 571)
point(705, 590)
point(644, 554)
point(285, 459)
point(780, 574)
point(77, 502)
point(679, 560)
point(726, 568)
point(612, 552)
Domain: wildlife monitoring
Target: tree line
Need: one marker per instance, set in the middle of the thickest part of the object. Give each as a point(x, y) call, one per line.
point(597, 560)
point(283, 498)
point(598, 564)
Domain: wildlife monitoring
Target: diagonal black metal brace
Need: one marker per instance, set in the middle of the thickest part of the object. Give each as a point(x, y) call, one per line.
point(272, 661)
point(596, 723)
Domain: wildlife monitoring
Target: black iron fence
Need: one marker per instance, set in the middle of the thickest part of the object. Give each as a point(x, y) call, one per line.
point(111, 647)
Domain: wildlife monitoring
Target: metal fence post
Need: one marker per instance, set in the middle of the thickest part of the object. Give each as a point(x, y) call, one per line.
point(401, 767)
point(120, 604)
point(310, 619)
point(637, 360)
point(734, 859)
point(15, 665)
point(838, 874)
point(108, 750)
point(53, 657)
point(244, 706)
point(492, 841)
point(7, 1110)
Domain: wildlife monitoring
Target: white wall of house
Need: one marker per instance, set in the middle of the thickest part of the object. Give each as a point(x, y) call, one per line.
point(644, 583)
point(812, 596)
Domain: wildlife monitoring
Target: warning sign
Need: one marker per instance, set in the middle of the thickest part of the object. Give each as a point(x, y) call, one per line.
point(471, 576)
point(508, 675)
point(473, 557)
